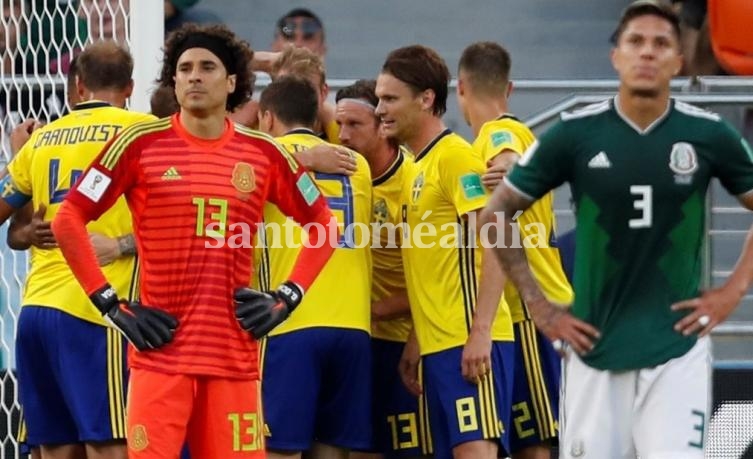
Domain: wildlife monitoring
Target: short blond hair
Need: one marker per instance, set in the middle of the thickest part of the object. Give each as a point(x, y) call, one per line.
point(300, 62)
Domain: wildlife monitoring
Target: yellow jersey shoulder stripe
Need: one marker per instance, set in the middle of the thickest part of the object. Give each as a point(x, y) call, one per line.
point(111, 158)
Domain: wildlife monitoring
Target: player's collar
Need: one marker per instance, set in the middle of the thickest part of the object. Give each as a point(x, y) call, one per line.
point(635, 127)
point(390, 170)
point(431, 144)
point(507, 116)
point(301, 130)
point(91, 104)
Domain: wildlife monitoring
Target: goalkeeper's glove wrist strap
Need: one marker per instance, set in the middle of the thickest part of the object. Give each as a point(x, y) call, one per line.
point(291, 294)
point(105, 298)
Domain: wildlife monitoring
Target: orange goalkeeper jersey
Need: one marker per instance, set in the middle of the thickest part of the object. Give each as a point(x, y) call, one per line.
point(193, 203)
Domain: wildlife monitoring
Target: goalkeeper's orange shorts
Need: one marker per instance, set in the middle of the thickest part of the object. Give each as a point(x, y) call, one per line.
point(217, 417)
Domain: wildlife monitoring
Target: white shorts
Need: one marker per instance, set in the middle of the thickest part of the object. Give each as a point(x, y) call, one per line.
point(651, 413)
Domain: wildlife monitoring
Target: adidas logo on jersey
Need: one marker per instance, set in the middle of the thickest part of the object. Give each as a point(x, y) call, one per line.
point(171, 174)
point(600, 161)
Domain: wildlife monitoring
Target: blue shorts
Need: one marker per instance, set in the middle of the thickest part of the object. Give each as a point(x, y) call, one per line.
point(71, 378)
point(397, 425)
point(535, 393)
point(316, 385)
point(460, 412)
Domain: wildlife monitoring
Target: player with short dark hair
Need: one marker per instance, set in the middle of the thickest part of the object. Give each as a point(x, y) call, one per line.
point(196, 184)
point(460, 319)
point(326, 344)
point(637, 357)
point(483, 89)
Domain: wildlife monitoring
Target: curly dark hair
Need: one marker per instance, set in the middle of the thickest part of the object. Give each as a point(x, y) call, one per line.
point(239, 50)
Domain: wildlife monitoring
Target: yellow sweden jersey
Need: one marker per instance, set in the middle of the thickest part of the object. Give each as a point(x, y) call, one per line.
point(388, 276)
point(46, 168)
point(332, 132)
point(441, 265)
point(340, 295)
point(537, 224)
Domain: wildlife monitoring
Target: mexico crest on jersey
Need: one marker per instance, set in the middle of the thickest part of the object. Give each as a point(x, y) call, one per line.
point(243, 177)
point(418, 184)
point(381, 213)
point(683, 161)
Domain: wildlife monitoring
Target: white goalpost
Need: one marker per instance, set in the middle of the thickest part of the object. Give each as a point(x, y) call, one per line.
point(37, 40)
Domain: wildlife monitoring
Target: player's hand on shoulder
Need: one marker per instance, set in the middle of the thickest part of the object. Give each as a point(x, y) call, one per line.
point(328, 159)
point(497, 168)
point(259, 312)
point(562, 328)
point(144, 326)
point(708, 310)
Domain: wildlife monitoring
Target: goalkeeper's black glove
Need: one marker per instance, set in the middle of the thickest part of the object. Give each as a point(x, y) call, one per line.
point(259, 312)
point(145, 327)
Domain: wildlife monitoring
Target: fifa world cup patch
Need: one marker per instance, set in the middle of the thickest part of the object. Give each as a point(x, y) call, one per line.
point(94, 185)
point(308, 189)
point(500, 137)
point(471, 185)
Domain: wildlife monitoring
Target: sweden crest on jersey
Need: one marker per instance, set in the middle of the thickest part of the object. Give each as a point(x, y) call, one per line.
point(418, 184)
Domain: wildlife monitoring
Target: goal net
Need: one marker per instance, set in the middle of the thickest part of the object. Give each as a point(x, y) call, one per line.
point(38, 39)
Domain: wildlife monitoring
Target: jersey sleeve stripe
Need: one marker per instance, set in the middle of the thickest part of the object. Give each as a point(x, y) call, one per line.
point(262, 356)
point(467, 271)
point(119, 145)
point(263, 274)
point(133, 290)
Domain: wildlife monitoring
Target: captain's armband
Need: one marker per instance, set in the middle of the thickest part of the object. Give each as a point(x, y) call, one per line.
point(10, 193)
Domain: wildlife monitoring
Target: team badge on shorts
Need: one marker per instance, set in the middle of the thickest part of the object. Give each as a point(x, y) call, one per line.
point(577, 449)
point(138, 440)
point(244, 179)
point(683, 161)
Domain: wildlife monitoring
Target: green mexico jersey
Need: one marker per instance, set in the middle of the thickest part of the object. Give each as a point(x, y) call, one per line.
point(640, 204)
